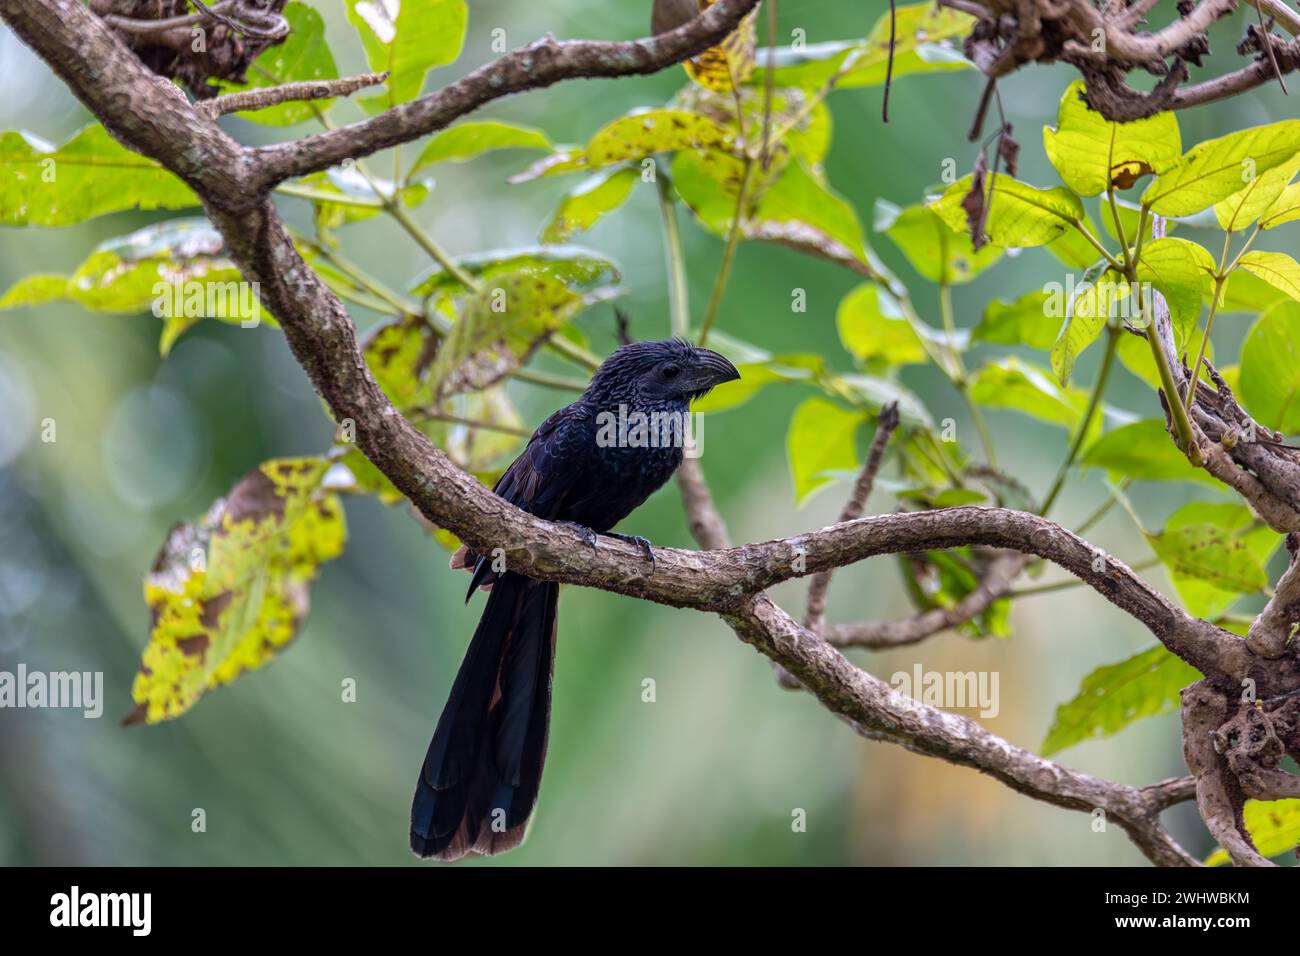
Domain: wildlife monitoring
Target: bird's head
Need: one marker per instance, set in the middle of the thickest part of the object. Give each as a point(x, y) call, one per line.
point(659, 373)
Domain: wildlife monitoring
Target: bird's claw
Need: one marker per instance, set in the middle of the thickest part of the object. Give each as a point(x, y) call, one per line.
point(588, 536)
point(643, 543)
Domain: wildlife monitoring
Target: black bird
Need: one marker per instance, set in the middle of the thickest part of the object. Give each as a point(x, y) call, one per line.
point(591, 464)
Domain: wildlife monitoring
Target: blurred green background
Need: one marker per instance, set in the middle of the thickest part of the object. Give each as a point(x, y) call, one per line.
point(711, 772)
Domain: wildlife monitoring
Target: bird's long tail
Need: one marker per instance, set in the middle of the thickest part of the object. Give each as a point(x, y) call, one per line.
point(480, 777)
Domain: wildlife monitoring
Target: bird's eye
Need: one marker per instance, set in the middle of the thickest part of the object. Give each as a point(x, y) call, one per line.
point(670, 371)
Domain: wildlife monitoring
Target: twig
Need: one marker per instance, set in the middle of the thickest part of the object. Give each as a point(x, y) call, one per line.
point(886, 424)
point(889, 63)
point(994, 584)
point(280, 30)
point(263, 97)
point(1266, 38)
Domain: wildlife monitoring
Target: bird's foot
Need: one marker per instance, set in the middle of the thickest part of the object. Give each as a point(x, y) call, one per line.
point(588, 536)
point(643, 543)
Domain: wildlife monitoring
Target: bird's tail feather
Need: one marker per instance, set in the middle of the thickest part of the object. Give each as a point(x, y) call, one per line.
point(480, 777)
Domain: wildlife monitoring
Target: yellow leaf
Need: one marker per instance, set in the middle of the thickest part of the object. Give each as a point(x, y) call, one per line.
point(228, 593)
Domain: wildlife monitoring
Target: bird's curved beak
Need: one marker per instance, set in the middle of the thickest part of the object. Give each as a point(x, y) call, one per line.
point(709, 371)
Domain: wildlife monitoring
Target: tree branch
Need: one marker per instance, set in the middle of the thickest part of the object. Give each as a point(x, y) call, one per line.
point(1270, 631)
point(876, 711)
point(261, 98)
point(886, 424)
point(540, 64)
point(996, 582)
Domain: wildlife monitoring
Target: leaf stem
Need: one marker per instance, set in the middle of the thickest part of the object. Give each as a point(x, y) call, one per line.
point(728, 253)
point(1119, 225)
point(678, 294)
point(960, 380)
point(1094, 401)
point(323, 195)
point(547, 380)
point(1097, 244)
point(1101, 512)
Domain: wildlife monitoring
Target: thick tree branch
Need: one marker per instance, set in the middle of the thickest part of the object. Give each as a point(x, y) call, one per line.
point(877, 711)
point(1219, 796)
point(1270, 631)
point(533, 67)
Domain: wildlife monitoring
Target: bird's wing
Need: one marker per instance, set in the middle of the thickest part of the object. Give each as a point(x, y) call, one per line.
point(538, 481)
point(540, 478)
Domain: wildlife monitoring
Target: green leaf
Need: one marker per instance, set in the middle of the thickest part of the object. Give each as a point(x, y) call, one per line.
point(584, 205)
point(399, 354)
point(423, 34)
point(799, 211)
point(1276, 268)
point(923, 32)
point(174, 269)
point(1016, 384)
point(796, 209)
point(1270, 368)
point(1022, 322)
point(1181, 271)
point(1205, 598)
point(1217, 168)
point(821, 440)
point(1274, 827)
point(304, 55)
point(466, 140)
point(1242, 208)
point(1019, 215)
point(90, 175)
point(1212, 554)
point(1244, 292)
point(1092, 154)
point(1286, 208)
point(229, 593)
point(875, 391)
point(1143, 450)
point(807, 131)
point(1116, 695)
point(1085, 317)
point(871, 327)
point(35, 290)
point(640, 134)
point(499, 327)
point(581, 269)
point(935, 251)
